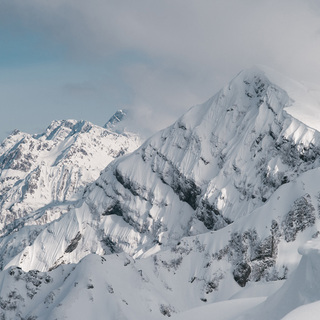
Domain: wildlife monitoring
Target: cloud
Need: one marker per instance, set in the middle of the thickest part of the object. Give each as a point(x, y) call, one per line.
point(197, 29)
point(160, 94)
point(186, 49)
point(79, 89)
point(198, 33)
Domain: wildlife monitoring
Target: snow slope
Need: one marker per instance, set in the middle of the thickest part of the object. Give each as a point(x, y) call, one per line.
point(302, 288)
point(87, 290)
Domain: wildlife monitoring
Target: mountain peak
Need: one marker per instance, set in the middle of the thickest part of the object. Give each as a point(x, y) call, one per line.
point(60, 129)
point(304, 98)
point(117, 122)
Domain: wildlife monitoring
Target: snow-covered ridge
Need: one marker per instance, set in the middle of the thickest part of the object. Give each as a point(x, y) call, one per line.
point(51, 168)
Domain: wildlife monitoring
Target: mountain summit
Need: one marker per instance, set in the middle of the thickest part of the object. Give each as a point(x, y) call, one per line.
point(116, 118)
point(118, 122)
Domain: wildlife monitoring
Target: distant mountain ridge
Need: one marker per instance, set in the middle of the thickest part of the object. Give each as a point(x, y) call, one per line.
point(51, 168)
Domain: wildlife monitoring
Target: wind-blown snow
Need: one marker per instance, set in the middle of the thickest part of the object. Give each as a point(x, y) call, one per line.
point(305, 105)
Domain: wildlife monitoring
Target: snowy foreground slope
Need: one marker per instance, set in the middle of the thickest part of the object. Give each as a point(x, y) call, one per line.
point(206, 217)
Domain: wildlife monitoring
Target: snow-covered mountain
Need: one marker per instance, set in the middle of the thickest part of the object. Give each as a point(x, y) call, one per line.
point(208, 213)
point(40, 175)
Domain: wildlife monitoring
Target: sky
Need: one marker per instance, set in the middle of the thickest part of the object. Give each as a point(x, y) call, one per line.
point(79, 59)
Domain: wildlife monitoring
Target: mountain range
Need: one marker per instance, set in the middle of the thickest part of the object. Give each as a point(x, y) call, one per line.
point(217, 215)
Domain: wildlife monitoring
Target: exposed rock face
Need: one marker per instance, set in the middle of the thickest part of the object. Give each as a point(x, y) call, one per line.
point(241, 273)
point(301, 216)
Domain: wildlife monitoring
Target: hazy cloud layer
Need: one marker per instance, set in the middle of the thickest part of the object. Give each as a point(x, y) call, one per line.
point(177, 52)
